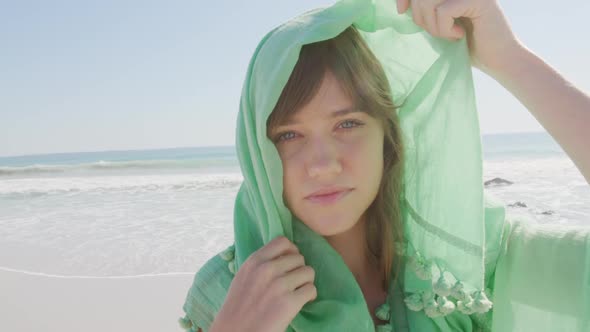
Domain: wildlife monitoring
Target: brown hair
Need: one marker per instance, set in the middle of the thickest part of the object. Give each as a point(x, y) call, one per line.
point(362, 77)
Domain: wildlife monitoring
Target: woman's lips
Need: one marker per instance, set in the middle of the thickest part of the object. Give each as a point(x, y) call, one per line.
point(330, 198)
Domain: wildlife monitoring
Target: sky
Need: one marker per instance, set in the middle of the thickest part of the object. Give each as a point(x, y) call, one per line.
point(129, 75)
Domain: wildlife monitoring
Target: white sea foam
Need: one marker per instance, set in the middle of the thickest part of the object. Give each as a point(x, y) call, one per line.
point(139, 222)
point(552, 189)
point(33, 187)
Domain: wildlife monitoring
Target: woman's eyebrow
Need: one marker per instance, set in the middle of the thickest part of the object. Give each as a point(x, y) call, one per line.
point(334, 114)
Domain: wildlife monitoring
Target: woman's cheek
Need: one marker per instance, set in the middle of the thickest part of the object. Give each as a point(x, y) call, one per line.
point(353, 144)
point(289, 151)
point(346, 144)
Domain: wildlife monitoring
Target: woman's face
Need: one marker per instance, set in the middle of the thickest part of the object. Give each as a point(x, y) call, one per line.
point(322, 149)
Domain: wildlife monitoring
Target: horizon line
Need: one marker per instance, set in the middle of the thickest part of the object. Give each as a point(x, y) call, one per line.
point(208, 146)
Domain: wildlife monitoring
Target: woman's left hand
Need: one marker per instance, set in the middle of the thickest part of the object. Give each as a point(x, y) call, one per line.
point(489, 36)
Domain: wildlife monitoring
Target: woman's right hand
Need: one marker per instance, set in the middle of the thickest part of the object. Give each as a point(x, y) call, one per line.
point(490, 38)
point(268, 290)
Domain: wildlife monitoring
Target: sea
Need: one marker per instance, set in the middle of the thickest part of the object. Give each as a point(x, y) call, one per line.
point(167, 211)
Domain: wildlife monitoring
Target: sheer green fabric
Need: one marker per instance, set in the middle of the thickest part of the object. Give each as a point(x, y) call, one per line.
point(542, 278)
point(460, 257)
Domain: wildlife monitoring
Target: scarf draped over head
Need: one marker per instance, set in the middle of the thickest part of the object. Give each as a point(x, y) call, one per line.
point(442, 198)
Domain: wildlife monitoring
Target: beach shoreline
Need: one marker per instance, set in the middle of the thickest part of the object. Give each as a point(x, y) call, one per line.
point(40, 303)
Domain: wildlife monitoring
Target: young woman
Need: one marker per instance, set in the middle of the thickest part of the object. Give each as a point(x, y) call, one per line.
point(348, 190)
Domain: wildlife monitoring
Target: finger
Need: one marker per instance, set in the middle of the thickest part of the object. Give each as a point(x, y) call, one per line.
point(306, 293)
point(298, 277)
point(446, 14)
point(417, 15)
point(277, 247)
point(402, 6)
point(288, 263)
point(430, 20)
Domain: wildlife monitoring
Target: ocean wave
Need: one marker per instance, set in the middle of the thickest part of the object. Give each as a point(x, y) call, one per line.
point(40, 169)
point(32, 188)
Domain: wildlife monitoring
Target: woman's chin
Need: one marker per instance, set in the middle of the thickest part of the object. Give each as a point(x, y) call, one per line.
point(330, 225)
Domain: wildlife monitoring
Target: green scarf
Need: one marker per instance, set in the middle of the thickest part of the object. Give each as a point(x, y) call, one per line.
point(443, 200)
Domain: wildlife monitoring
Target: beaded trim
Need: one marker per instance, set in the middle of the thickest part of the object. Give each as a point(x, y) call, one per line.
point(445, 296)
point(442, 299)
point(187, 324)
point(228, 255)
point(383, 313)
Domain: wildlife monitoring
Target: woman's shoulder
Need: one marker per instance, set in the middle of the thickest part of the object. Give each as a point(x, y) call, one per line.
point(542, 266)
point(207, 292)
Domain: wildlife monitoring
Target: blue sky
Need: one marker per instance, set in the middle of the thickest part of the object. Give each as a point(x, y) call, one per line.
point(117, 75)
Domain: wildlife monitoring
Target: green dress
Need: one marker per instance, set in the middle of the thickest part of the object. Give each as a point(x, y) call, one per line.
point(538, 275)
point(467, 267)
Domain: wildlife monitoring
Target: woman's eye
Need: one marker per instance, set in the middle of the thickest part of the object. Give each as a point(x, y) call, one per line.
point(281, 137)
point(288, 135)
point(353, 122)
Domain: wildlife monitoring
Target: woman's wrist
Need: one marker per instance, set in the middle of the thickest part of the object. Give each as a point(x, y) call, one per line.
point(559, 106)
point(510, 61)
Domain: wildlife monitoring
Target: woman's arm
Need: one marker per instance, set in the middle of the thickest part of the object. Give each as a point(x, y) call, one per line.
point(561, 108)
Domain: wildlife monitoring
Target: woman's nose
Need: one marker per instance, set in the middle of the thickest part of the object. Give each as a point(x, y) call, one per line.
point(323, 159)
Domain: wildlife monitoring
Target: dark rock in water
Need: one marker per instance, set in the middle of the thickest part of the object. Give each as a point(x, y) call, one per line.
point(518, 204)
point(497, 181)
point(548, 212)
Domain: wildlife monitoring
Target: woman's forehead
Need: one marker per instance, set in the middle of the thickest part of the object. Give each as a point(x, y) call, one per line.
point(328, 114)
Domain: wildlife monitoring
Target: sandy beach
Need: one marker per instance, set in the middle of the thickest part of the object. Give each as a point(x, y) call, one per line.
point(69, 216)
point(43, 303)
